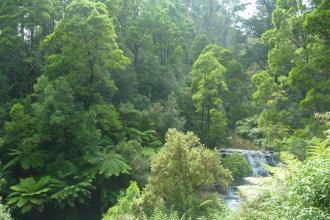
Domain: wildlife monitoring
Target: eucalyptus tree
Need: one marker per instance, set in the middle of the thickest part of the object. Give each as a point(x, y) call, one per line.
point(208, 84)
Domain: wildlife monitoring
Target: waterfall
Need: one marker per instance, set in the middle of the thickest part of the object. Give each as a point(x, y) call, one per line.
point(255, 159)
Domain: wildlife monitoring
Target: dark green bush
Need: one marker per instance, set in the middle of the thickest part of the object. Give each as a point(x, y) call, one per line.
point(238, 166)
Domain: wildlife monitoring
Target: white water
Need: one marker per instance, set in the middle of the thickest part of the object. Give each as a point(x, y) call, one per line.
point(255, 159)
point(232, 199)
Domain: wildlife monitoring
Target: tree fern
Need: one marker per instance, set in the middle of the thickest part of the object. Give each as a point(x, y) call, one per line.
point(27, 157)
point(30, 193)
point(68, 194)
point(146, 138)
point(107, 162)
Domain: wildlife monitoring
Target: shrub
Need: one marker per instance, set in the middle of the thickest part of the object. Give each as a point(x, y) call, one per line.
point(124, 209)
point(159, 215)
point(4, 213)
point(296, 146)
point(248, 128)
point(179, 173)
point(305, 194)
point(180, 170)
point(238, 166)
point(309, 188)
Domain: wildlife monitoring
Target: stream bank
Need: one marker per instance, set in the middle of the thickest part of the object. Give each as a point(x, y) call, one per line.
point(251, 185)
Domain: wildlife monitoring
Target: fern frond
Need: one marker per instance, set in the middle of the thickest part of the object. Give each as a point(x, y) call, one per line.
point(108, 163)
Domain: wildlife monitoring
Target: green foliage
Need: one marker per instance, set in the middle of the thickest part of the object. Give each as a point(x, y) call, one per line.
point(303, 195)
point(218, 132)
point(296, 146)
point(68, 117)
point(4, 213)
point(23, 26)
point(27, 155)
point(266, 207)
point(295, 85)
point(309, 187)
point(238, 166)
point(90, 61)
point(165, 116)
point(147, 138)
point(236, 97)
point(30, 193)
point(215, 77)
point(18, 128)
point(28, 158)
point(89, 88)
point(316, 20)
point(154, 120)
point(179, 171)
point(198, 45)
point(70, 194)
point(156, 36)
point(248, 128)
point(159, 215)
point(215, 20)
point(138, 158)
point(107, 119)
point(125, 205)
point(318, 146)
point(256, 51)
point(208, 81)
point(107, 162)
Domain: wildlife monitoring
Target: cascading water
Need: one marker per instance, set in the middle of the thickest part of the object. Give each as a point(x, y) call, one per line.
point(232, 199)
point(255, 159)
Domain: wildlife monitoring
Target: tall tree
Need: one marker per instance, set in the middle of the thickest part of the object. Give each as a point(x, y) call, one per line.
point(296, 83)
point(208, 83)
point(23, 25)
point(68, 127)
point(256, 51)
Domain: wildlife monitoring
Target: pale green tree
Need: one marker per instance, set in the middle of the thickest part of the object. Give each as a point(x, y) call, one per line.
point(208, 83)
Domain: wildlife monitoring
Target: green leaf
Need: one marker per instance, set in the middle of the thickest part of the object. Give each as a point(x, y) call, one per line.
point(21, 202)
point(30, 193)
point(108, 163)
